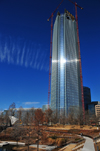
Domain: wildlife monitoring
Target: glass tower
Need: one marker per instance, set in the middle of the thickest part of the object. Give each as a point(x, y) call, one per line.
point(65, 78)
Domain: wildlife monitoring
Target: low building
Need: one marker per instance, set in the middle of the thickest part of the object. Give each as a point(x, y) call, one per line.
point(45, 107)
point(20, 113)
point(91, 107)
point(97, 110)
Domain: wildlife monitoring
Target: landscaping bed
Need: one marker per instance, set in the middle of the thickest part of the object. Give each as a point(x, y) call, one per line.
point(47, 136)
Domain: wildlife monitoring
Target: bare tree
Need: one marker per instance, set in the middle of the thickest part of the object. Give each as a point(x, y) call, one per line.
point(79, 118)
point(87, 118)
point(29, 135)
point(94, 120)
point(6, 118)
point(40, 134)
point(38, 117)
point(71, 116)
point(48, 115)
point(32, 113)
point(27, 118)
point(12, 109)
point(1, 119)
point(16, 133)
point(38, 120)
point(55, 116)
point(19, 114)
point(62, 117)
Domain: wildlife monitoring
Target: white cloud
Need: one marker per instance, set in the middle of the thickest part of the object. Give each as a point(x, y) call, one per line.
point(22, 57)
point(23, 52)
point(30, 103)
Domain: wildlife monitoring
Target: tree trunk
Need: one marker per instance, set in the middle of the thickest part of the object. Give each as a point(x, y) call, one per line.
point(38, 145)
point(28, 147)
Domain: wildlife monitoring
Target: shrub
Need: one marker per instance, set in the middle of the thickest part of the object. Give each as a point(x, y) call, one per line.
point(76, 139)
point(53, 137)
point(51, 141)
point(61, 141)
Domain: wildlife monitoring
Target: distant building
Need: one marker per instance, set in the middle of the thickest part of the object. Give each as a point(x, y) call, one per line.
point(21, 115)
point(87, 97)
point(44, 107)
point(16, 111)
point(97, 110)
point(4, 112)
point(91, 107)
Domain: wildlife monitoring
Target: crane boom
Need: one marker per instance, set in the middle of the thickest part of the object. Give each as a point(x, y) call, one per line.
point(82, 95)
point(55, 10)
point(76, 4)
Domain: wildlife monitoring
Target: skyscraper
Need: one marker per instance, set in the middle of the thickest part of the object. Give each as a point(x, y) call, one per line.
point(87, 97)
point(65, 77)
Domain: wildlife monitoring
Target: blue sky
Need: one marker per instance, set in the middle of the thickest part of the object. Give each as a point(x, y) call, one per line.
point(25, 48)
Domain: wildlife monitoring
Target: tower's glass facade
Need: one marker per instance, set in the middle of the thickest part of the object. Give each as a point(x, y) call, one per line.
point(65, 79)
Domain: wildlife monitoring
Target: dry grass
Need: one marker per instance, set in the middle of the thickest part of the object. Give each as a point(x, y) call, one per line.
point(75, 129)
point(58, 141)
point(25, 148)
point(51, 141)
point(68, 127)
point(68, 132)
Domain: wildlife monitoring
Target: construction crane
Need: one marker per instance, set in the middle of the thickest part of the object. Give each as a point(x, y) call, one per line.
point(51, 17)
point(76, 16)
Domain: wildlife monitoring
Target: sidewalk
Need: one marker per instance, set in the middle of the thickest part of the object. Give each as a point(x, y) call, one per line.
point(89, 144)
point(3, 143)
